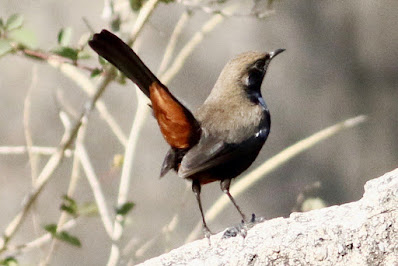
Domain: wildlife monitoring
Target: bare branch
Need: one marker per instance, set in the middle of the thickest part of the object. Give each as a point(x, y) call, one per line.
point(9, 150)
point(206, 8)
point(75, 176)
point(180, 59)
point(173, 41)
point(59, 59)
point(28, 135)
point(139, 119)
point(96, 188)
point(145, 13)
point(38, 242)
point(51, 165)
point(88, 87)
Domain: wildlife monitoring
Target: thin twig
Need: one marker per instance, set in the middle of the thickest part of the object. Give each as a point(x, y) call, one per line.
point(189, 47)
point(9, 150)
point(143, 248)
point(39, 242)
point(173, 41)
point(124, 187)
point(139, 119)
point(107, 10)
point(33, 158)
point(70, 193)
point(51, 166)
point(95, 187)
point(222, 11)
point(141, 114)
point(169, 227)
point(87, 86)
point(143, 16)
point(62, 60)
point(28, 135)
point(44, 176)
point(166, 230)
point(271, 164)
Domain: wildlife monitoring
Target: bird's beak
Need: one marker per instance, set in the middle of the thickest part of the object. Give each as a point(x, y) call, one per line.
point(275, 53)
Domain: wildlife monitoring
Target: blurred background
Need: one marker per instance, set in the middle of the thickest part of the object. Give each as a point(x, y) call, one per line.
point(341, 61)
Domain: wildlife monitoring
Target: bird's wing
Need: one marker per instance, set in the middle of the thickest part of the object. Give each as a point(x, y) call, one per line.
point(210, 151)
point(178, 125)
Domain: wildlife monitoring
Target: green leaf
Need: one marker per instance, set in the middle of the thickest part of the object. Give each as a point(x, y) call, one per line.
point(125, 208)
point(63, 236)
point(84, 55)
point(9, 261)
point(69, 205)
point(51, 228)
point(1, 23)
point(95, 72)
point(69, 210)
point(120, 78)
point(115, 23)
point(167, 1)
point(102, 61)
point(67, 52)
point(15, 21)
point(64, 36)
point(24, 37)
point(136, 4)
point(68, 238)
point(88, 209)
point(118, 160)
point(5, 47)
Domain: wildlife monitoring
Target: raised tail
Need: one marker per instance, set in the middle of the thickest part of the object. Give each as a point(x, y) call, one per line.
point(179, 127)
point(119, 54)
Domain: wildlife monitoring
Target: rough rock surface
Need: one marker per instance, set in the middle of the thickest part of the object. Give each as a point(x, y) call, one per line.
point(364, 232)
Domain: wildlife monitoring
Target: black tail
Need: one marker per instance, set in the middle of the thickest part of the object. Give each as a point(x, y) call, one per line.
point(118, 53)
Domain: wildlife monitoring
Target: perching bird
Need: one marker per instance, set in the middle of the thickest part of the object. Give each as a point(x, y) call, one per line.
point(223, 137)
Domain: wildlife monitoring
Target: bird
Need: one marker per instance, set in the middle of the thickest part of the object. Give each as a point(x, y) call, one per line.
point(223, 137)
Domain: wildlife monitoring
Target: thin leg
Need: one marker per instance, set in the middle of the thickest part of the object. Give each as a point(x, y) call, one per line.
point(224, 184)
point(196, 190)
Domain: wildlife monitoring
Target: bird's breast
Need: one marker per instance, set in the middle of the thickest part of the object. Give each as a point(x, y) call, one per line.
point(232, 123)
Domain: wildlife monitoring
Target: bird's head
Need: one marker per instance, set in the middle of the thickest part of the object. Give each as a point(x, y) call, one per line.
point(243, 73)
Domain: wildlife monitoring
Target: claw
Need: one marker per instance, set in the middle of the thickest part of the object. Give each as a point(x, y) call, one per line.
point(243, 227)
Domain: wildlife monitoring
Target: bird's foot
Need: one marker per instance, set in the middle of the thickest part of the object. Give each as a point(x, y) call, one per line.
point(256, 220)
point(233, 231)
point(242, 228)
point(207, 233)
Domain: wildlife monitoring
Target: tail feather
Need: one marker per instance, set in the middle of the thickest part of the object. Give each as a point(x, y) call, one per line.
point(178, 125)
point(114, 50)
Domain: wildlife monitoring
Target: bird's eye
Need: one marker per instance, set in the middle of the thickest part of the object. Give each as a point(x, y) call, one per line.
point(259, 64)
point(255, 74)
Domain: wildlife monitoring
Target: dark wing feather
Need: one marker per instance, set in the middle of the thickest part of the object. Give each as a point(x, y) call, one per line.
point(230, 159)
point(209, 152)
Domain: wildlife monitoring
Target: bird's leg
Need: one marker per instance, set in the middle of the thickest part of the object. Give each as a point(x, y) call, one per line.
point(224, 184)
point(196, 190)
